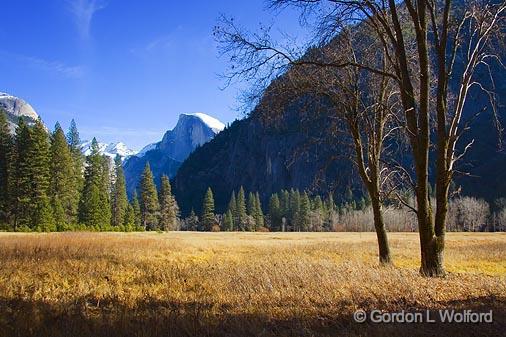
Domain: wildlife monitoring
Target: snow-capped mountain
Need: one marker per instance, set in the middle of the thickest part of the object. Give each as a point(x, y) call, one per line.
point(16, 107)
point(165, 157)
point(192, 130)
point(110, 150)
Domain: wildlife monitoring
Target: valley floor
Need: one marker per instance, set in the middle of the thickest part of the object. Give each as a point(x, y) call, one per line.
point(240, 284)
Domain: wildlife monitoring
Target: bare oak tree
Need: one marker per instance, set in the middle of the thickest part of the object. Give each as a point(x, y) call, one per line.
point(429, 45)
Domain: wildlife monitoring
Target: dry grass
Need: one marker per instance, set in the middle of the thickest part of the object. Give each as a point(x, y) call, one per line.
point(238, 284)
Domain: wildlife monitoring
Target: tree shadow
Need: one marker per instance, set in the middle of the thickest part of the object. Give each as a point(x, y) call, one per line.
point(111, 318)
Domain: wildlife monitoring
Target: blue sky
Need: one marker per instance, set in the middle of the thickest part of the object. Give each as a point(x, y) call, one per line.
point(124, 69)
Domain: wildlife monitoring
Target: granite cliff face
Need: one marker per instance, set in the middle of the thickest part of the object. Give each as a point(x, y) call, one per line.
point(166, 156)
point(308, 153)
point(15, 108)
point(292, 154)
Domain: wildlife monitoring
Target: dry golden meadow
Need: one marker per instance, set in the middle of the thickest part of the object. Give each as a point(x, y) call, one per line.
point(239, 284)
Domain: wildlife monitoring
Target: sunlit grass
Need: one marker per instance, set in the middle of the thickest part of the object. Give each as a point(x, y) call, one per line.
point(311, 278)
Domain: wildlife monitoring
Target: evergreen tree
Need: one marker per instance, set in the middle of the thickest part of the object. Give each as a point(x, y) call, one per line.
point(275, 212)
point(228, 221)
point(259, 214)
point(42, 215)
point(119, 199)
point(294, 206)
point(105, 193)
point(208, 219)
point(241, 209)
point(168, 207)
point(232, 207)
point(136, 207)
point(94, 210)
point(285, 204)
point(303, 218)
point(251, 208)
point(150, 208)
point(63, 189)
point(23, 180)
point(6, 169)
point(78, 164)
point(129, 222)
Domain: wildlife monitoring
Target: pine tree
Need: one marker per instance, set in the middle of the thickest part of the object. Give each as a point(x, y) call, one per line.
point(251, 208)
point(208, 219)
point(294, 208)
point(168, 207)
point(42, 215)
point(228, 221)
point(136, 207)
point(105, 193)
point(129, 223)
point(304, 213)
point(285, 204)
point(63, 189)
point(150, 208)
point(6, 169)
point(22, 176)
point(241, 210)
point(119, 199)
point(232, 207)
point(259, 214)
point(78, 165)
point(275, 212)
point(94, 211)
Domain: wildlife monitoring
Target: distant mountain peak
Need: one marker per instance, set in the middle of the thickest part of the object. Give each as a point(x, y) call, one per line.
point(16, 108)
point(211, 122)
point(108, 149)
point(191, 131)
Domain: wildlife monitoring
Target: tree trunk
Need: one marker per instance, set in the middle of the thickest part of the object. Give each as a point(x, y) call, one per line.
point(381, 234)
point(432, 248)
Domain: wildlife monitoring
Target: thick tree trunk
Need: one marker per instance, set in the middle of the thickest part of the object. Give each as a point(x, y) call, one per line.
point(432, 248)
point(381, 234)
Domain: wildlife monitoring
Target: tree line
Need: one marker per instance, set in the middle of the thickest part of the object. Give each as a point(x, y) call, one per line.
point(47, 184)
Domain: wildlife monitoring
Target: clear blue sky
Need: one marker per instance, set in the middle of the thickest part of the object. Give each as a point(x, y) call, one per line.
point(123, 69)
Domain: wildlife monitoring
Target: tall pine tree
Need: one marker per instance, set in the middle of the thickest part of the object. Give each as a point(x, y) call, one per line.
point(42, 214)
point(94, 210)
point(150, 208)
point(232, 207)
point(119, 200)
point(136, 207)
point(275, 212)
point(241, 210)
point(208, 219)
point(6, 169)
point(78, 163)
point(63, 189)
point(168, 207)
point(259, 214)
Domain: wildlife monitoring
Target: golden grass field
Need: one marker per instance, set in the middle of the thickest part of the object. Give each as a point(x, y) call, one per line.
point(239, 284)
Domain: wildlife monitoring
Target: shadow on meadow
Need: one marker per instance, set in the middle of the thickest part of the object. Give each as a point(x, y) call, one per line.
point(156, 318)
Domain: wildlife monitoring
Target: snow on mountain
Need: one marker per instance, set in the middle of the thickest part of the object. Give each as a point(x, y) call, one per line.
point(16, 107)
point(211, 122)
point(145, 149)
point(194, 128)
point(110, 150)
point(165, 157)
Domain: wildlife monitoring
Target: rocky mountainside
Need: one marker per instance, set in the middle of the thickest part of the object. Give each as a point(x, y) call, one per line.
point(15, 107)
point(307, 154)
point(166, 156)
